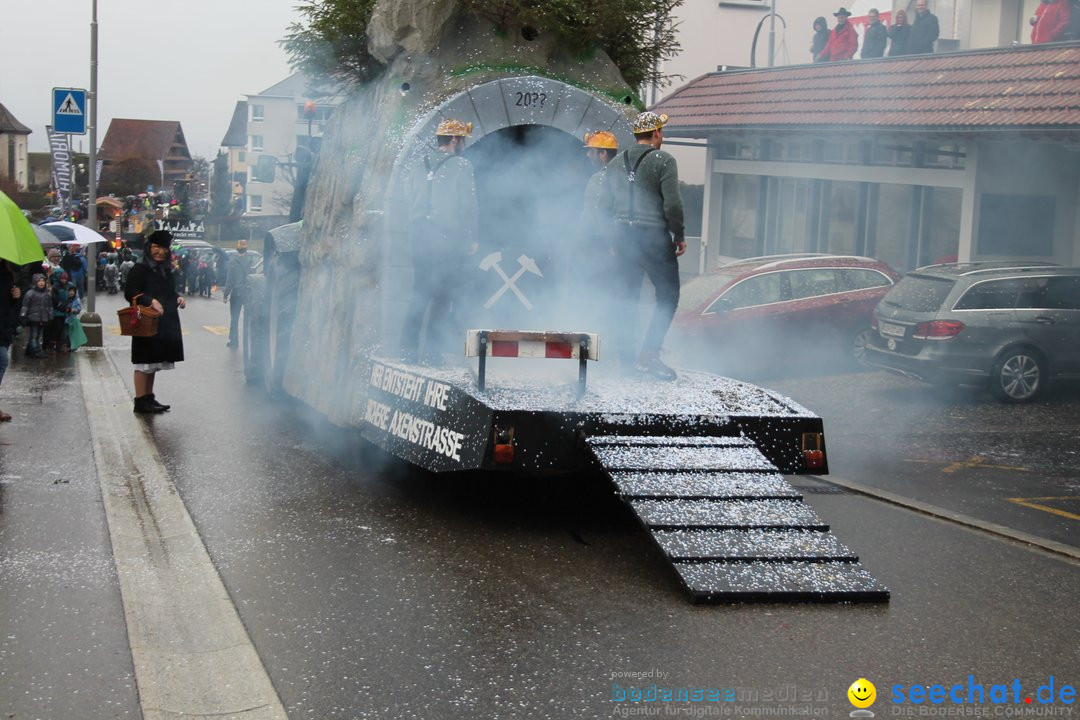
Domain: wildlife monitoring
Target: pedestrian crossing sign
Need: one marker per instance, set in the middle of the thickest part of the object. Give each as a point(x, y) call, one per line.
point(69, 111)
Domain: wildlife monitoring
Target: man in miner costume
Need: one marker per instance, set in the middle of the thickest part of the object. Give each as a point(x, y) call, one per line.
point(641, 194)
point(443, 224)
point(595, 262)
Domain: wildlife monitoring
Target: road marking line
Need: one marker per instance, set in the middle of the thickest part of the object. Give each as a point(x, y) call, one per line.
point(191, 653)
point(1026, 502)
point(973, 462)
point(217, 329)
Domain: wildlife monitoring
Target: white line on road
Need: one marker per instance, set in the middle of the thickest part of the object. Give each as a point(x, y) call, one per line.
point(192, 655)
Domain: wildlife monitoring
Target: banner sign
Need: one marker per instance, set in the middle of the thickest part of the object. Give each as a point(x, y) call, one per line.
point(63, 182)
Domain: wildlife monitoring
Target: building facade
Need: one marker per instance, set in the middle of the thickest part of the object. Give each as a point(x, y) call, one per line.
point(284, 126)
point(13, 149)
point(969, 155)
point(721, 35)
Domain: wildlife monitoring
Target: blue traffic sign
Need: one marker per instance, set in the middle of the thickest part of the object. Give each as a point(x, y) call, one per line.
point(69, 111)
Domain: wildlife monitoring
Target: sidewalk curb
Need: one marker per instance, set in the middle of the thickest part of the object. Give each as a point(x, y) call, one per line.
point(191, 653)
point(1050, 546)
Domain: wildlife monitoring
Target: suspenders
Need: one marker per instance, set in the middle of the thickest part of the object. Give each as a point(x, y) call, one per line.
point(430, 178)
point(631, 176)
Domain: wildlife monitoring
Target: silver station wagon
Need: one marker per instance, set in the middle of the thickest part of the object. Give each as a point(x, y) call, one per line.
point(1012, 326)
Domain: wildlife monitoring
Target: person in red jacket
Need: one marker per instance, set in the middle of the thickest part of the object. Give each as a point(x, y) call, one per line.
point(1050, 21)
point(843, 40)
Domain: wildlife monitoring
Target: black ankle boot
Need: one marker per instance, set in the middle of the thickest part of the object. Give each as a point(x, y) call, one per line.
point(153, 401)
point(145, 404)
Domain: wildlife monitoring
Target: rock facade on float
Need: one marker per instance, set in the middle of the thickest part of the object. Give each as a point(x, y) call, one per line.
point(433, 51)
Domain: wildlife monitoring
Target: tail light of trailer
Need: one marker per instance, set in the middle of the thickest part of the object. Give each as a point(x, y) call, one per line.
point(504, 446)
point(813, 449)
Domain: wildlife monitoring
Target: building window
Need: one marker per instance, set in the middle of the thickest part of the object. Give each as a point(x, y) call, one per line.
point(240, 156)
point(256, 143)
point(254, 203)
point(257, 113)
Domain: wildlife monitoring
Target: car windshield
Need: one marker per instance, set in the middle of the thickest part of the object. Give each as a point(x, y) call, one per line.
point(919, 293)
point(702, 288)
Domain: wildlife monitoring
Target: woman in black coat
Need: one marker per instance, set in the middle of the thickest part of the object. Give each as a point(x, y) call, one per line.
point(151, 284)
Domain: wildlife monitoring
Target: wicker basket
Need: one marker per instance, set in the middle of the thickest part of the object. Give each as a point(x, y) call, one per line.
point(138, 320)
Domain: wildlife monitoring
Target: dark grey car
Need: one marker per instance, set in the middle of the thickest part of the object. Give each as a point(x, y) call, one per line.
point(1013, 326)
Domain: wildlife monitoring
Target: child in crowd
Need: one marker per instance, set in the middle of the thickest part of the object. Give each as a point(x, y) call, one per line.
point(36, 313)
point(61, 294)
point(75, 333)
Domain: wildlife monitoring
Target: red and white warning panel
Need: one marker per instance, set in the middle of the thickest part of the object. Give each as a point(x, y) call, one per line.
point(532, 344)
point(527, 344)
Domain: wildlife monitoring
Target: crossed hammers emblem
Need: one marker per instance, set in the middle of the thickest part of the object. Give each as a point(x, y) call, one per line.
point(509, 281)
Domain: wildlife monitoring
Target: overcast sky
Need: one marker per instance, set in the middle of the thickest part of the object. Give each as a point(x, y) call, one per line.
point(188, 61)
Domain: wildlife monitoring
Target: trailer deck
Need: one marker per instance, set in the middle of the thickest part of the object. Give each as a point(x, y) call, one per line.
point(698, 461)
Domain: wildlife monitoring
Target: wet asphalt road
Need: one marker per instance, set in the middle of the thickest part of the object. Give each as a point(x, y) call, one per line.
point(374, 591)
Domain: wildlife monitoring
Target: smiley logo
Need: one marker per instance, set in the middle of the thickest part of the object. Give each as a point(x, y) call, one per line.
point(862, 693)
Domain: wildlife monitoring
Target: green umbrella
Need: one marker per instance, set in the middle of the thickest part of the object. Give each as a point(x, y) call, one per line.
point(18, 243)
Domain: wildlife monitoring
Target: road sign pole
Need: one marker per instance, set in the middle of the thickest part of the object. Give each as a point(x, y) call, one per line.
point(91, 320)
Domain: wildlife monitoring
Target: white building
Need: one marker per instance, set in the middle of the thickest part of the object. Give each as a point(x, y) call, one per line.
point(283, 122)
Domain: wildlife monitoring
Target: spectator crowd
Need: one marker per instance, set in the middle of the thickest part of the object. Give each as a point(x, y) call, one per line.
point(1053, 21)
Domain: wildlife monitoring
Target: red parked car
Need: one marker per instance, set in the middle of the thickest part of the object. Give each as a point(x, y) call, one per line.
point(779, 312)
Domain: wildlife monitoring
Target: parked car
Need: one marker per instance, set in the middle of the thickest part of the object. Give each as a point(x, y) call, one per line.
point(1013, 326)
point(773, 311)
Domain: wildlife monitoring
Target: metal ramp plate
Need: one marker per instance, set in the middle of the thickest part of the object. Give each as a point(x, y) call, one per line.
point(732, 527)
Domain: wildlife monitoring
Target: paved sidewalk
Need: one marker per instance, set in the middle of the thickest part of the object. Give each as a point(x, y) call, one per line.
point(167, 614)
point(63, 642)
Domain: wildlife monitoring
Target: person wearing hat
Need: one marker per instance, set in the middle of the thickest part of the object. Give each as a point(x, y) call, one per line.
point(593, 265)
point(151, 284)
point(843, 40)
point(820, 39)
point(443, 229)
point(641, 194)
point(237, 286)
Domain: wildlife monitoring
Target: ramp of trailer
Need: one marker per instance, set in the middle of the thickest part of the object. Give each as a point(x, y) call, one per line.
point(731, 526)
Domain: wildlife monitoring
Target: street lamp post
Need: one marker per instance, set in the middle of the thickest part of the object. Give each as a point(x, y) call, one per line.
point(772, 35)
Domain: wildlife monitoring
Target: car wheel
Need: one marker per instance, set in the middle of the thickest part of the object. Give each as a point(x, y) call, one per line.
point(859, 341)
point(1018, 376)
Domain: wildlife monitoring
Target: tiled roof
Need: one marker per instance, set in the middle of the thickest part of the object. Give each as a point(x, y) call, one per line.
point(11, 126)
point(149, 139)
point(1028, 87)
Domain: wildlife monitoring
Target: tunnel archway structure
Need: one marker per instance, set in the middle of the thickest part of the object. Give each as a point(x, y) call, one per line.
point(512, 105)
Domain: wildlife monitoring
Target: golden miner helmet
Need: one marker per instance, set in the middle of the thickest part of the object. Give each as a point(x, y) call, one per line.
point(601, 139)
point(454, 128)
point(649, 121)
